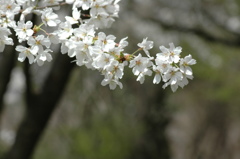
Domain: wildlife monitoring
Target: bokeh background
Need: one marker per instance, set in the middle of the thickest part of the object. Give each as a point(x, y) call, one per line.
point(144, 121)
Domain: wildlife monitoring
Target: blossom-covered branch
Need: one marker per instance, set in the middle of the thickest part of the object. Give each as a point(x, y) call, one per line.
point(94, 50)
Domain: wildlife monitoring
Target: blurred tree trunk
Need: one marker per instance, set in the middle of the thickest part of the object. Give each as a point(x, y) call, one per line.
point(153, 144)
point(39, 108)
point(39, 105)
point(7, 63)
point(156, 120)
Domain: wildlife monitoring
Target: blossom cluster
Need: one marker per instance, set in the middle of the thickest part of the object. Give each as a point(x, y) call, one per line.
point(79, 38)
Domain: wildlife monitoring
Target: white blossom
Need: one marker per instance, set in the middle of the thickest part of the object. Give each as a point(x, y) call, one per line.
point(97, 7)
point(112, 83)
point(84, 30)
point(172, 54)
point(139, 64)
point(173, 77)
point(106, 42)
point(65, 31)
point(146, 45)
point(75, 17)
point(4, 39)
point(123, 43)
point(141, 76)
point(185, 64)
point(116, 68)
point(9, 7)
point(53, 37)
point(102, 61)
point(23, 30)
point(49, 18)
point(38, 42)
point(43, 56)
point(157, 78)
point(25, 53)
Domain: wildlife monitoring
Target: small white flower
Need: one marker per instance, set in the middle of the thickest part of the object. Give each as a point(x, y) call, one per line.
point(141, 76)
point(53, 37)
point(163, 65)
point(123, 43)
point(75, 17)
point(9, 7)
point(8, 22)
point(84, 52)
point(84, 30)
point(38, 42)
point(43, 56)
point(82, 58)
point(111, 8)
point(49, 18)
point(146, 45)
point(172, 54)
point(102, 61)
point(4, 32)
point(25, 52)
point(97, 8)
point(139, 64)
point(102, 20)
point(173, 77)
point(112, 83)
point(185, 63)
point(65, 31)
point(116, 68)
point(23, 30)
point(4, 39)
point(106, 42)
point(64, 48)
point(157, 78)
